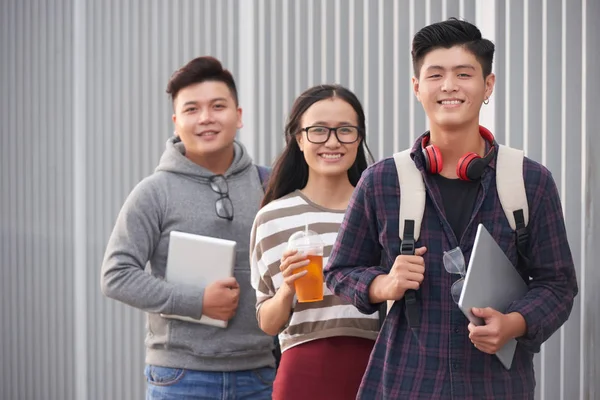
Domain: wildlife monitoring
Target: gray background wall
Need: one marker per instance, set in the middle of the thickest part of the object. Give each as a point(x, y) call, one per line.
point(84, 116)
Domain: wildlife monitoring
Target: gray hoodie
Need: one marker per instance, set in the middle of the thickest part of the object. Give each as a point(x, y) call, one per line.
point(177, 197)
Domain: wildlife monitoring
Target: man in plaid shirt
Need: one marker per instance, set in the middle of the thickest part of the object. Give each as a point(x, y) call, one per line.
point(445, 357)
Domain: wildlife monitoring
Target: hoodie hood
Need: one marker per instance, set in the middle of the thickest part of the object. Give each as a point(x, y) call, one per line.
point(174, 160)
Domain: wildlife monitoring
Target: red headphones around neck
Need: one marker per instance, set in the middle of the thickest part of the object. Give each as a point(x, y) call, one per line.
point(470, 166)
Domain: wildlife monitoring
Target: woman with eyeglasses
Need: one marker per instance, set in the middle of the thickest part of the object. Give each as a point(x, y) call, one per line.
point(325, 344)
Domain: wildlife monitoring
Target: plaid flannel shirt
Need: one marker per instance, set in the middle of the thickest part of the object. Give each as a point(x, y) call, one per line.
point(437, 360)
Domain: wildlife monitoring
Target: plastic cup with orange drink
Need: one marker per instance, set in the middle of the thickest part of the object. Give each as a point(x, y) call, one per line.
point(309, 288)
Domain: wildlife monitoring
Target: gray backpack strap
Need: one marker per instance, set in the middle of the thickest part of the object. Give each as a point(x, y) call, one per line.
point(412, 191)
point(510, 185)
point(263, 174)
point(412, 208)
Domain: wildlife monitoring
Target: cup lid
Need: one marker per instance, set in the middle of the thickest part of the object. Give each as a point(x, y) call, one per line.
point(305, 238)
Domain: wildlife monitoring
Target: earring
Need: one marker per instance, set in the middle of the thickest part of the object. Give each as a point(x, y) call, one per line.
point(486, 101)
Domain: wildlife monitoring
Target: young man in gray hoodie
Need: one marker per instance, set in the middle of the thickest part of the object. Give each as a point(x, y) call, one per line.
point(205, 184)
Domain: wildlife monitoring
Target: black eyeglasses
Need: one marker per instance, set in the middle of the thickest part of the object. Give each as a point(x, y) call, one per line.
point(344, 134)
point(223, 205)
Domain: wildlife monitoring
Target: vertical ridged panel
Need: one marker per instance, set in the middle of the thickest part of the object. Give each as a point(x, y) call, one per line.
point(590, 215)
point(545, 101)
point(572, 181)
point(36, 250)
point(539, 54)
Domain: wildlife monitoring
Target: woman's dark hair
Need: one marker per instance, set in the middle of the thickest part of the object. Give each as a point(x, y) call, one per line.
point(290, 171)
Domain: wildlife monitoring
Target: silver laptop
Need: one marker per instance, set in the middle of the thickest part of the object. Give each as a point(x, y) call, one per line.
point(199, 260)
point(491, 281)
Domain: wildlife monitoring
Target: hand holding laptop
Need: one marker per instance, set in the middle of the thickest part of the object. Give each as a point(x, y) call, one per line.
point(220, 299)
point(214, 273)
point(499, 328)
point(491, 284)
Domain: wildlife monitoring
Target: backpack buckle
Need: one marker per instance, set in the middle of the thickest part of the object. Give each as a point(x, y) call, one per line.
point(407, 247)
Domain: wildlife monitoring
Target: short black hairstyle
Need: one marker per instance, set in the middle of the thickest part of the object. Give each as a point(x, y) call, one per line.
point(450, 33)
point(200, 70)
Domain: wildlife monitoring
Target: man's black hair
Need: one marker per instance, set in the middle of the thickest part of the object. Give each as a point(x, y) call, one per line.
point(450, 33)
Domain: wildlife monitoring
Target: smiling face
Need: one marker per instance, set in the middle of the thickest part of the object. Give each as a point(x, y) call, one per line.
point(206, 118)
point(451, 87)
point(331, 158)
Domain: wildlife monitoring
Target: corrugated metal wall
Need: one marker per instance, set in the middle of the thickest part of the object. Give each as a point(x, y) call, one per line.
point(84, 117)
point(533, 107)
point(36, 201)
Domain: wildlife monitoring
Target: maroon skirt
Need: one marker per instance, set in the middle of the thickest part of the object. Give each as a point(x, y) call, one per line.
point(328, 369)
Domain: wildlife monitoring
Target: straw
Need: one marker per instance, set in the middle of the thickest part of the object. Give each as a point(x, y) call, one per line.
point(306, 240)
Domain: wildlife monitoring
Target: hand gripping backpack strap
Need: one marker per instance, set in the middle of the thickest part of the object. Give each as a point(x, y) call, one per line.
point(412, 207)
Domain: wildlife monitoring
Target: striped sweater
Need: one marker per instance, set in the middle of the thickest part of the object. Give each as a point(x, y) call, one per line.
point(309, 321)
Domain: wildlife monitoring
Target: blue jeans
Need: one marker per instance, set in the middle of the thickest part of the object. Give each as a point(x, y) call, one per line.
point(174, 383)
